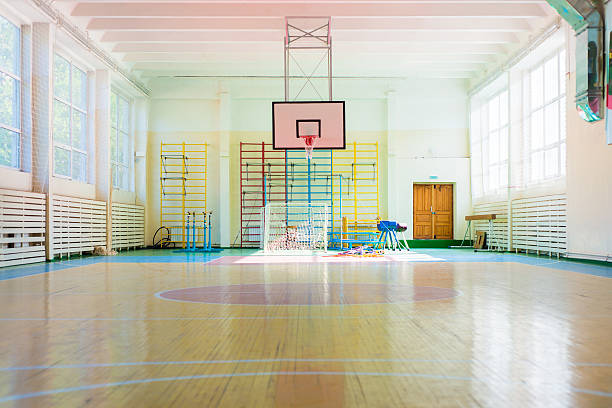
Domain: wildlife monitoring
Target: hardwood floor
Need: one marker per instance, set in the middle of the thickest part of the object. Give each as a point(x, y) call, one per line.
point(306, 334)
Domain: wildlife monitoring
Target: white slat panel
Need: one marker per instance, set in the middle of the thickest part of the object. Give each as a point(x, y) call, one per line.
point(539, 224)
point(500, 224)
point(128, 226)
point(79, 225)
point(22, 227)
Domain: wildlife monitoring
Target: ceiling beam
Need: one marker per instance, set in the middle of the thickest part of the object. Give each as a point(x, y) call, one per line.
point(236, 57)
point(277, 36)
point(270, 9)
point(452, 48)
point(338, 24)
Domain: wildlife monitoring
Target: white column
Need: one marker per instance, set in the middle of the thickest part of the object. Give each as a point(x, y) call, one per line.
point(102, 145)
point(141, 126)
point(224, 168)
point(42, 121)
point(392, 204)
point(91, 127)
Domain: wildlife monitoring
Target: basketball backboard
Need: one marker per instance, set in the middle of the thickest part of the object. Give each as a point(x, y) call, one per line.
point(292, 122)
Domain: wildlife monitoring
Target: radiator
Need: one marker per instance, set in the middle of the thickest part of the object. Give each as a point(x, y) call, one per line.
point(128, 226)
point(22, 227)
point(79, 225)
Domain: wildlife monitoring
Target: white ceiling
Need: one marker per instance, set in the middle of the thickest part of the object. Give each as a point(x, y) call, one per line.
point(390, 38)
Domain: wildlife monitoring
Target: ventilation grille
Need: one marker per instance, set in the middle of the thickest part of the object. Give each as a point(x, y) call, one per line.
point(128, 226)
point(79, 225)
point(22, 227)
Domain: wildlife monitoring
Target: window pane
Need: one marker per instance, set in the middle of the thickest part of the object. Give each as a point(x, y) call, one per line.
point(503, 144)
point(537, 130)
point(113, 107)
point(79, 88)
point(9, 102)
point(494, 113)
point(123, 178)
point(79, 130)
point(114, 175)
point(537, 166)
point(79, 166)
point(503, 109)
point(123, 149)
point(493, 178)
point(537, 87)
point(551, 79)
point(551, 123)
point(485, 153)
point(494, 147)
point(562, 158)
point(124, 115)
point(562, 117)
point(9, 148)
point(113, 145)
point(61, 122)
point(61, 161)
point(562, 72)
point(61, 78)
point(9, 47)
point(503, 175)
point(551, 160)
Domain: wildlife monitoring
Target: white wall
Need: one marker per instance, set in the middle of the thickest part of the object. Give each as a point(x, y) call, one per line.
point(428, 130)
point(589, 182)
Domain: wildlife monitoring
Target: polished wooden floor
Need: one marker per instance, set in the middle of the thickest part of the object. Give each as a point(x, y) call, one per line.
point(516, 334)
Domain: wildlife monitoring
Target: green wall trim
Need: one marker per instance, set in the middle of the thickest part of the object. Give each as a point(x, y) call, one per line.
point(569, 14)
point(436, 243)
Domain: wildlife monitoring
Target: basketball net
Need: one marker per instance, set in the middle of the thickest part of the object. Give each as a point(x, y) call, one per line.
point(309, 144)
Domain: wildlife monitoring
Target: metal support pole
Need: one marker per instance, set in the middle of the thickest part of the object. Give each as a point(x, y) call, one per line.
point(209, 230)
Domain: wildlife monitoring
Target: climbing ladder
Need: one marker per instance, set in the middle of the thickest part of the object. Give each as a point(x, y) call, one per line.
point(262, 178)
point(359, 194)
point(268, 175)
point(183, 187)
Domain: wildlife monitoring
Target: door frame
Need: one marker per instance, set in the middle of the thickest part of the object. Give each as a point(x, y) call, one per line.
point(431, 183)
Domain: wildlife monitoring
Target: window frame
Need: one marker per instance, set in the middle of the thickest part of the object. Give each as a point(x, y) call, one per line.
point(480, 143)
point(501, 162)
point(17, 78)
point(116, 132)
point(72, 107)
point(529, 111)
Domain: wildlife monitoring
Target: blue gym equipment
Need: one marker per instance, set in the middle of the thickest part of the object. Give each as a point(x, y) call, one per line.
point(388, 236)
point(192, 232)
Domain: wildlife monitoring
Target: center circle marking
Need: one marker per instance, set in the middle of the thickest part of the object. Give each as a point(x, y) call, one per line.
point(308, 294)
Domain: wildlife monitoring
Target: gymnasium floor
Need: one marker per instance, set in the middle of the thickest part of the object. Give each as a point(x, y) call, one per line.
point(436, 328)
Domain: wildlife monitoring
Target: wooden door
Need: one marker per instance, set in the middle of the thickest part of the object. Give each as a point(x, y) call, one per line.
point(432, 211)
point(443, 211)
point(422, 216)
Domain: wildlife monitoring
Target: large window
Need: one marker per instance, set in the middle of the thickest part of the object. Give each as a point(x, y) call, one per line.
point(69, 120)
point(120, 141)
point(489, 144)
point(544, 125)
point(10, 91)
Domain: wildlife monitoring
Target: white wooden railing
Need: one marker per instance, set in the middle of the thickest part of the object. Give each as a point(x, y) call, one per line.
point(79, 225)
point(128, 226)
point(22, 227)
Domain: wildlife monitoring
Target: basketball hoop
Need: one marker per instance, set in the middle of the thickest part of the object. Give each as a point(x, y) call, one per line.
point(309, 144)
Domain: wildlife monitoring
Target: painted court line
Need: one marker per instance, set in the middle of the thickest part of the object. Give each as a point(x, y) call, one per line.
point(245, 361)
point(264, 360)
point(18, 397)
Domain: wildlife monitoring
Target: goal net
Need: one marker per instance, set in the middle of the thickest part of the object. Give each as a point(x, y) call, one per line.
point(294, 227)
